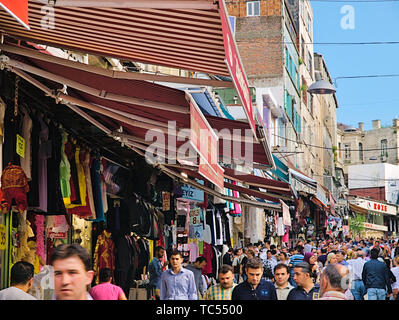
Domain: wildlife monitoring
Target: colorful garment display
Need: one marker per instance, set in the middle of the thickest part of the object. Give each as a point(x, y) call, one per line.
point(104, 254)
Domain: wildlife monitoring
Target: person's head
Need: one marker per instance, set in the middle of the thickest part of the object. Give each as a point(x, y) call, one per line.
point(226, 276)
point(269, 254)
point(396, 260)
point(334, 277)
point(282, 256)
point(299, 249)
point(303, 274)
point(176, 260)
point(72, 271)
point(22, 275)
point(254, 270)
point(105, 275)
point(281, 274)
point(250, 254)
point(323, 250)
point(307, 257)
point(374, 253)
point(331, 258)
point(239, 251)
point(200, 262)
point(359, 254)
point(231, 250)
point(159, 252)
point(340, 256)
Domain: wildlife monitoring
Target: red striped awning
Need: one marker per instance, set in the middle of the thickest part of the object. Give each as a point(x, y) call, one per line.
point(180, 34)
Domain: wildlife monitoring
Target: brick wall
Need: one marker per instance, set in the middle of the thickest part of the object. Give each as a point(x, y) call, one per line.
point(259, 41)
point(238, 8)
point(377, 193)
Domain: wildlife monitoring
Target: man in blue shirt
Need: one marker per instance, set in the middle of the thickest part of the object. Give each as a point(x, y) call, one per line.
point(341, 258)
point(155, 271)
point(254, 288)
point(295, 258)
point(178, 283)
point(306, 289)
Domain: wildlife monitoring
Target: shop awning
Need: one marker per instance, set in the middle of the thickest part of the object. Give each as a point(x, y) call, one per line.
point(134, 105)
point(190, 35)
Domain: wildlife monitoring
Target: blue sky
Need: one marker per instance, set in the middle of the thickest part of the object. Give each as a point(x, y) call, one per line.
point(361, 100)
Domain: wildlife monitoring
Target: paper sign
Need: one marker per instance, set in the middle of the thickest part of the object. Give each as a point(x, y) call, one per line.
point(3, 237)
point(20, 146)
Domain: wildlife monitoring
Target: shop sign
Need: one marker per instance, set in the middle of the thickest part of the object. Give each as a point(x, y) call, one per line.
point(3, 237)
point(192, 193)
point(20, 148)
point(236, 69)
point(380, 207)
point(375, 226)
point(205, 142)
point(195, 216)
point(165, 201)
point(18, 9)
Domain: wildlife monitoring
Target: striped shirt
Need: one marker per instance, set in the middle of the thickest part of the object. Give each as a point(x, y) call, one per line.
point(217, 292)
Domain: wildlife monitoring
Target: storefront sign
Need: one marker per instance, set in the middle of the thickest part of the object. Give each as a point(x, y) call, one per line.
point(165, 201)
point(3, 237)
point(376, 206)
point(20, 146)
point(375, 226)
point(236, 69)
point(18, 9)
point(192, 193)
point(205, 142)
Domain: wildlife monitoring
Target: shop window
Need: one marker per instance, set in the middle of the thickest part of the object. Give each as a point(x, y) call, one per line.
point(360, 151)
point(384, 147)
point(347, 150)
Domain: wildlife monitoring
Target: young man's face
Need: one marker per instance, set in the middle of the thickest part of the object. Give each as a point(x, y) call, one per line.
point(254, 275)
point(226, 280)
point(71, 279)
point(176, 261)
point(281, 276)
point(160, 253)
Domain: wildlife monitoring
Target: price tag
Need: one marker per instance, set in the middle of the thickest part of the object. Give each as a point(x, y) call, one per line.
point(195, 216)
point(3, 237)
point(20, 146)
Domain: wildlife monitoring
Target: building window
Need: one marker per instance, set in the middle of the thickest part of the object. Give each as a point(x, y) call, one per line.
point(384, 147)
point(340, 150)
point(253, 8)
point(347, 151)
point(360, 151)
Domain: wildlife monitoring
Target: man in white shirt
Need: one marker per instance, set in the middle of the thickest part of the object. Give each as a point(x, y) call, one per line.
point(21, 282)
point(358, 290)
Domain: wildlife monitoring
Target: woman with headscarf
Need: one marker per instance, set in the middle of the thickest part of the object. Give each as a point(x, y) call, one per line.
point(311, 258)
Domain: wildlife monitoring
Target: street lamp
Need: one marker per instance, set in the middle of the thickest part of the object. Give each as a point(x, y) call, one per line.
point(321, 87)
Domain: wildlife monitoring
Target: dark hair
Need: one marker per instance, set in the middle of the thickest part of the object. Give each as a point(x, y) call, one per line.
point(284, 254)
point(105, 274)
point(251, 252)
point(200, 259)
point(299, 248)
point(273, 251)
point(374, 253)
point(225, 268)
point(306, 268)
point(323, 250)
point(254, 263)
point(281, 266)
point(64, 251)
point(272, 247)
point(158, 248)
point(21, 272)
point(175, 252)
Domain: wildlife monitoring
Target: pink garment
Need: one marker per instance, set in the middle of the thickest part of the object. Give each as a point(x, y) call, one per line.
point(194, 251)
point(208, 254)
point(106, 291)
point(286, 235)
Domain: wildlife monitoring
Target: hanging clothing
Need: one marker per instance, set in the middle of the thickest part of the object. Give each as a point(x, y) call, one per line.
point(33, 195)
point(55, 203)
point(104, 255)
point(96, 186)
point(65, 170)
point(208, 255)
point(44, 154)
point(12, 127)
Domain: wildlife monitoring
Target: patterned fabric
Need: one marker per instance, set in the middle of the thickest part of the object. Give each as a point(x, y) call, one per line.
point(14, 177)
point(104, 253)
point(217, 292)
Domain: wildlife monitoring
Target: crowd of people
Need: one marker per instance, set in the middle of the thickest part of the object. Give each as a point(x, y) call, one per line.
point(311, 270)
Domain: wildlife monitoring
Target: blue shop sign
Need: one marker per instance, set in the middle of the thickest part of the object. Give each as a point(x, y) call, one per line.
point(192, 193)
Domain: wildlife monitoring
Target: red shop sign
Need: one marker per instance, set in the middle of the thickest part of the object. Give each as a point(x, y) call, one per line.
point(18, 9)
